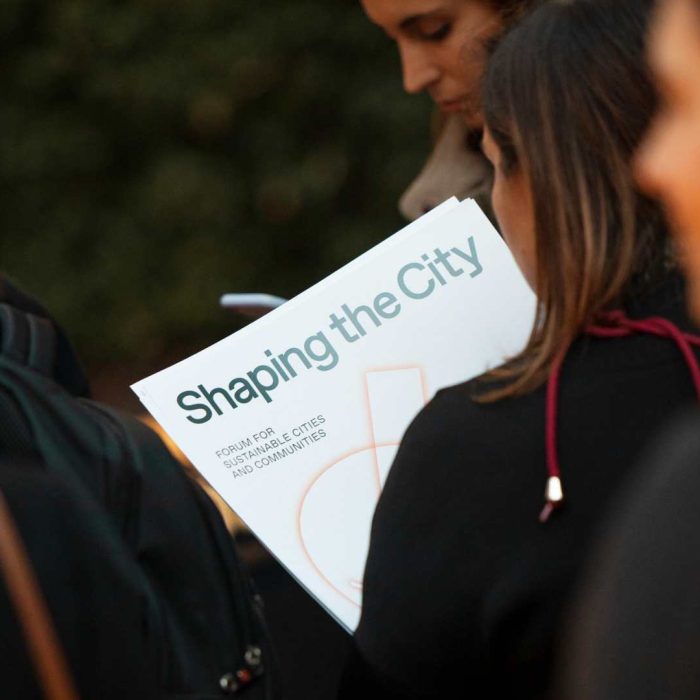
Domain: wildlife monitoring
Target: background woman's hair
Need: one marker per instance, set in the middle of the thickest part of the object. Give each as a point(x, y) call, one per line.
point(567, 98)
point(513, 10)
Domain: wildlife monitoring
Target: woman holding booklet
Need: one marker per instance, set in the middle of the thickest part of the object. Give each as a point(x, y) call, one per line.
point(469, 571)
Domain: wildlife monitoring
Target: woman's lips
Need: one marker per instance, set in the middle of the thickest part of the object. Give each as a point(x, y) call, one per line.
point(451, 105)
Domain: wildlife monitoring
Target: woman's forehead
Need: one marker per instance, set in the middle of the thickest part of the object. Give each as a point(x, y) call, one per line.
point(399, 14)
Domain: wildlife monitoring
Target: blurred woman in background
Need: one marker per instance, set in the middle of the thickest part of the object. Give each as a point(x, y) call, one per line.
point(443, 45)
point(465, 587)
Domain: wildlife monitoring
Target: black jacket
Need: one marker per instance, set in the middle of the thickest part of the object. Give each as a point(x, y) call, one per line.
point(464, 588)
point(94, 592)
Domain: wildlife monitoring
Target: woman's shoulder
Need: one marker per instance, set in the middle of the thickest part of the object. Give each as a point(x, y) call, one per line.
point(645, 571)
point(459, 414)
point(459, 442)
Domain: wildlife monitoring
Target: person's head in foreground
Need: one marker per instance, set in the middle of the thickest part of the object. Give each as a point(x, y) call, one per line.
point(669, 160)
point(567, 99)
point(635, 631)
point(442, 45)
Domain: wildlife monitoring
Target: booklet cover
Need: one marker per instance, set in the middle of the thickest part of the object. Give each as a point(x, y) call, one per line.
point(296, 418)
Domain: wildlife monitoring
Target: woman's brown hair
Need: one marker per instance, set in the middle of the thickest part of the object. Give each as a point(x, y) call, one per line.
point(513, 10)
point(567, 99)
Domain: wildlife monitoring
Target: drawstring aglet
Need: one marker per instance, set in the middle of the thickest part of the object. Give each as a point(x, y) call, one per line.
point(554, 496)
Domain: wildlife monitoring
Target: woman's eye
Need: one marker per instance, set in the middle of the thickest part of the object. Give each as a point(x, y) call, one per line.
point(437, 34)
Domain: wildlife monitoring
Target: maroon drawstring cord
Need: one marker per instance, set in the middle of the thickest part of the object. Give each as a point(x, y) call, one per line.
point(618, 325)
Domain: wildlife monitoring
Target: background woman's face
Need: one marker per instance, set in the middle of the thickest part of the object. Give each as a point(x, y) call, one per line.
point(668, 163)
point(511, 198)
point(441, 45)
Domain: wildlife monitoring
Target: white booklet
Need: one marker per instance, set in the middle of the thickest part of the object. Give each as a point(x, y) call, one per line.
point(296, 418)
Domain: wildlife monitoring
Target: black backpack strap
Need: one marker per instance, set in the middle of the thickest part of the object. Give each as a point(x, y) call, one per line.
point(13, 334)
point(67, 369)
point(42, 345)
point(28, 339)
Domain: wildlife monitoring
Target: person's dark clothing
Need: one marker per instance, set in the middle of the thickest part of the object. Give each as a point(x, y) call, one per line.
point(637, 623)
point(209, 622)
point(464, 588)
point(94, 592)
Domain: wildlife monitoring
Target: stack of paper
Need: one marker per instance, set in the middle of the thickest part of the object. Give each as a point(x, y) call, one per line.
point(295, 419)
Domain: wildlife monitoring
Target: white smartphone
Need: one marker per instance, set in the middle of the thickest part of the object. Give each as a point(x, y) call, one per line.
point(251, 305)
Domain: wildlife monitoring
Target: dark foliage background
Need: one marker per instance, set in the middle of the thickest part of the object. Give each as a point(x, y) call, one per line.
point(156, 153)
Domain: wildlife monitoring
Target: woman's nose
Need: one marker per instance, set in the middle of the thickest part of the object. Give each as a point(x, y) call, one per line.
point(419, 72)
